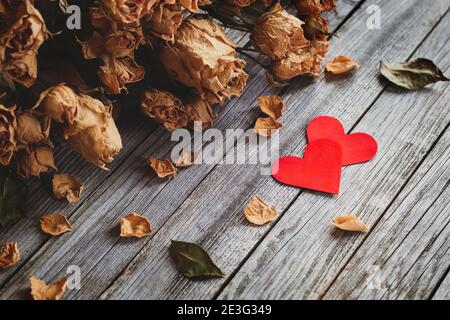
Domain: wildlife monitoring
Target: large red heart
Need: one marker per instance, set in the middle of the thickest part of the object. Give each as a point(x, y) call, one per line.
point(356, 147)
point(320, 169)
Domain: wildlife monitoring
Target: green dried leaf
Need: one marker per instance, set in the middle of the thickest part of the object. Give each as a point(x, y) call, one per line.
point(414, 75)
point(13, 192)
point(193, 261)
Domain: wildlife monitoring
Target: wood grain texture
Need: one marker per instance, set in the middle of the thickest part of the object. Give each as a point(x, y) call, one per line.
point(443, 292)
point(95, 246)
point(212, 215)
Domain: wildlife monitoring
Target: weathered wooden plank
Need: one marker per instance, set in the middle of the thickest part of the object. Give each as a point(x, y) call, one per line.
point(407, 253)
point(212, 215)
point(133, 180)
point(443, 292)
point(302, 255)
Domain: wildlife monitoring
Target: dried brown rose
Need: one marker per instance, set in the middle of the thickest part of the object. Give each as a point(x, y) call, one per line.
point(258, 212)
point(115, 74)
point(7, 134)
point(162, 168)
point(316, 27)
point(278, 33)
point(199, 110)
point(203, 57)
point(164, 108)
point(307, 62)
point(341, 64)
point(164, 21)
point(30, 130)
point(55, 224)
point(272, 106)
point(9, 254)
point(350, 223)
point(88, 125)
point(266, 126)
point(34, 161)
point(241, 3)
point(22, 69)
point(41, 291)
point(134, 225)
point(312, 7)
point(121, 44)
point(127, 11)
point(67, 186)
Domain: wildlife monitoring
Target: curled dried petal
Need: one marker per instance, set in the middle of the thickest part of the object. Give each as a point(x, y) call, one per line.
point(266, 126)
point(258, 212)
point(134, 225)
point(272, 106)
point(67, 186)
point(55, 224)
point(341, 64)
point(162, 168)
point(9, 254)
point(350, 223)
point(42, 291)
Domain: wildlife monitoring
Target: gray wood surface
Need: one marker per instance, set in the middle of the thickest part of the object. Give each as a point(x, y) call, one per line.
point(204, 204)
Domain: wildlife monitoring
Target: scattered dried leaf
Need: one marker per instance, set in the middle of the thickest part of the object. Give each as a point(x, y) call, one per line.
point(41, 291)
point(193, 261)
point(272, 106)
point(341, 64)
point(134, 225)
point(55, 224)
point(350, 223)
point(67, 186)
point(414, 75)
point(266, 126)
point(162, 168)
point(187, 158)
point(9, 255)
point(258, 212)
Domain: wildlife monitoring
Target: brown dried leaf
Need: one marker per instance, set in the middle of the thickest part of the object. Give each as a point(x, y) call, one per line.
point(266, 126)
point(163, 168)
point(134, 225)
point(67, 186)
point(349, 223)
point(9, 254)
point(341, 64)
point(55, 224)
point(41, 291)
point(187, 158)
point(258, 212)
point(272, 106)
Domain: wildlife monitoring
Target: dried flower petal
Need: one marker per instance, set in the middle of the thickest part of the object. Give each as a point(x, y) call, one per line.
point(134, 225)
point(341, 64)
point(162, 168)
point(115, 74)
point(272, 106)
point(41, 291)
point(266, 126)
point(164, 21)
point(55, 224)
point(258, 212)
point(187, 158)
point(67, 186)
point(9, 254)
point(350, 223)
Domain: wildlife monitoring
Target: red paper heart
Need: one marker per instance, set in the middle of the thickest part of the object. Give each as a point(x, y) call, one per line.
point(356, 147)
point(320, 169)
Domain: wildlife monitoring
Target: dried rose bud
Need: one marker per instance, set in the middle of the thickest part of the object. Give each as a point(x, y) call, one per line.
point(278, 33)
point(60, 103)
point(115, 74)
point(31, 130)
point(121, 44)
point(127, 11)
point(34, 161)
point(199, 110)
point(311, 7)
point(307, 62)
point(316, 27)
point(164, 108)
point(7, 134)
point(164, 21)
point(27, 34)
point(22, 69)
point(203, 57)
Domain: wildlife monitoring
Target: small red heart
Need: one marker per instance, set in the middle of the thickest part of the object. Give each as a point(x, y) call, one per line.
point(356, 147)
point(320, 169)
